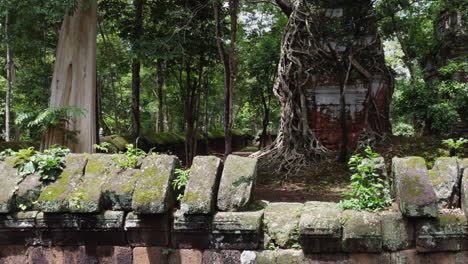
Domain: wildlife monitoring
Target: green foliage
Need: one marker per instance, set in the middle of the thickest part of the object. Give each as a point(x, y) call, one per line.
point(454, 145)
point(368, 189)
point(180, 181)
point(131, 157)
point(48, 164)
point(52, 117)
point(402, 129)
point(103, 147)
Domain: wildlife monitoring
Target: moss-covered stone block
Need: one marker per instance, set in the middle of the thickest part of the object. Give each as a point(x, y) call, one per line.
point(118, 189)
point(200, 192)
point(464, 192)
point(86, 196)
point(118, 143)
point(361, 232)
point(444, 233)
point(397, 232)
point(236, 230)
point(9, 180)
point(54, 198)
point(281, 223)
point(153, 193)
point(237, 183)
point(28, 191)
point(320, 227)
point(414, 192)
point(445, 180)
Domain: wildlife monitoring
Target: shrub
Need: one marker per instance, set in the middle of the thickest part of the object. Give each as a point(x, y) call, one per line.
point(369, 190)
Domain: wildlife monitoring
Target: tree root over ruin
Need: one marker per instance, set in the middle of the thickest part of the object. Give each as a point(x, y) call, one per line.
point(318, 49)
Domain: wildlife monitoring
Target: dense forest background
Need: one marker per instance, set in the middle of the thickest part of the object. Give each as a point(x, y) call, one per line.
point(181, 78)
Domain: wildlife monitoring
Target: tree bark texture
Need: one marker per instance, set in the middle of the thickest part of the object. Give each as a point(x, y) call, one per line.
point(74, 78)
point(136, 66)
point(333, 84)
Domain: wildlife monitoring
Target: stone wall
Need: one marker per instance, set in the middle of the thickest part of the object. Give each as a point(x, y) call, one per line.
point(97, 212)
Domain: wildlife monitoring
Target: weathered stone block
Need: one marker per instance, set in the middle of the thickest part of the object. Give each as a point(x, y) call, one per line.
point(147, 230)
point(191, 231)
point(9, 179)
point(118, 189)
point(414, 192)
point(464, 187)
point(153, 193)
point(199, 197)
point(112, 255)
point(28, 191)
point(237, 183)
point(13, 254)
point(445, 180)
point(397, 232)
point(236, 230)
point(81, 229)
point(361, 232)
point(444, 233)
point(320, 228)
point(282, 223)
point(148, 255)
point(54, 198)
point(221, 257)
point(17, 228)
point(86, 196)
point(290, 256)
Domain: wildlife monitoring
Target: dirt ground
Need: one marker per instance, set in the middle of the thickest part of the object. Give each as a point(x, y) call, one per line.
point(329, 179)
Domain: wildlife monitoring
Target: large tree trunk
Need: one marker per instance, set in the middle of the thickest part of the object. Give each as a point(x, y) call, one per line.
point(74, 78)
point(322, 108)
point(160, 76)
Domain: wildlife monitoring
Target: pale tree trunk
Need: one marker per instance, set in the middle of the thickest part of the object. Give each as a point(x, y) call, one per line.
point(74, 78)
point(9, 75)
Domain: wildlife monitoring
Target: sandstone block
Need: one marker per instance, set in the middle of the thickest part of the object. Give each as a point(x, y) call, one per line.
point(414, 192)
point(153, 193)
point(199, 196)
point(361, 232)
point(237, 183)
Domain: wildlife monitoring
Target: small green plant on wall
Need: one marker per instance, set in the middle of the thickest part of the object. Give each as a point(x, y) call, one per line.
point(369, 189)
point(49, 164)
point(454, 145)
point(180, 182)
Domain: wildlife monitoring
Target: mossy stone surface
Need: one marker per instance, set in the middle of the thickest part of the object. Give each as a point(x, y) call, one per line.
point(237, 183)
point(86, 196)
point(464, 192)
point(445, 179)
point(444, 233)
point(54, 198)
point(320, 227)
point(397, 233)
point(281, 223)
point(28, 191)
point(119, 186)
point(9, 180)
point(199, 196)
point(414, 192)
point(361, 232)
point(153, 193)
